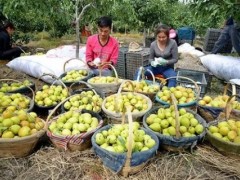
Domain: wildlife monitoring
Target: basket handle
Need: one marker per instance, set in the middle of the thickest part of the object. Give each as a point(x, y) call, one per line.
point(56, 80)
point(175, 77)
point(142, 70)
point(226, 88)
point(174, 102)
point(80, 82)
point(64, 66)
point(130, 143)
point(44, 74)
point(228, 108)
point(14, 80)
point(108, 64)
point(55, 108)
point(122, 84)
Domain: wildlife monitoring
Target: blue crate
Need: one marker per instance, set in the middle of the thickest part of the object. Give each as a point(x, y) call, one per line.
point(186, 33)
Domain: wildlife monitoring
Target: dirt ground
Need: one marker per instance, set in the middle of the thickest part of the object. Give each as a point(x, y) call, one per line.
point(47, 162)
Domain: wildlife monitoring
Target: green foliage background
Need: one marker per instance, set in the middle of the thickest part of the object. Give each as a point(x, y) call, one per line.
point(57, 17)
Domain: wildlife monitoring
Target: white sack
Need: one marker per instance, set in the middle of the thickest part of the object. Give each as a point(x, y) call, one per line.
point(187, 48)
point(68, 51)
point(37, 65)
point(223, 67)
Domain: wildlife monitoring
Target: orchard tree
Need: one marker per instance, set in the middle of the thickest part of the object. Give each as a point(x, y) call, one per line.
point(212, 13)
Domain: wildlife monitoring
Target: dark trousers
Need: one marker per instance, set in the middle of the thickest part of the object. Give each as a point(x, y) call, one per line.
point(11, 54)
point(229, 33)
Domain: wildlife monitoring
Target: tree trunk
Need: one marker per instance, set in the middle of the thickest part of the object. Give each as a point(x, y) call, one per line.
point(78, 18)
point(144, 37)
point(77, 30)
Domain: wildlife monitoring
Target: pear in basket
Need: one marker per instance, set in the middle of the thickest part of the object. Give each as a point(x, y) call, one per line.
point(19, 124)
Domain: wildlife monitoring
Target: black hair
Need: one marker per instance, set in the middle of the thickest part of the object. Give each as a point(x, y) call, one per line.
point(8, 24)
point(104, 22)
point(162, 28)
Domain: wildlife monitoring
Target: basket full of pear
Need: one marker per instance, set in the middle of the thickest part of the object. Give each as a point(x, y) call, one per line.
point(224, 132)
point(185, 97)
point(50, 95)
point(178, 129)
point(74, 75)
point(87, 99)
point(19, 132)
point(211, 107)
point(72, 130)
point(105, 84)
point(114, 106)
point(125, 148)
point(15, 86)
point(143, 86)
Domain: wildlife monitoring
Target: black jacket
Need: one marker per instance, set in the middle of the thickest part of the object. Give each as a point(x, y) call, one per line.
point(5, 41)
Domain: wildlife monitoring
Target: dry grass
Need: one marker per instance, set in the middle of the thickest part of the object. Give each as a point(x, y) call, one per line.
point(49, 163)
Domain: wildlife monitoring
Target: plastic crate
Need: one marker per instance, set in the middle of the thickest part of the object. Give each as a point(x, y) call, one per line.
point(121, 63)
point(211, 37)
point(148, 41)
point(197, 76)
point(186, 33)
point(136, 59)
point(229, 91)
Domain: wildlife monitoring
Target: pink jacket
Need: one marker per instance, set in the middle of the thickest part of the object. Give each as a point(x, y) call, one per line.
point(107, 53)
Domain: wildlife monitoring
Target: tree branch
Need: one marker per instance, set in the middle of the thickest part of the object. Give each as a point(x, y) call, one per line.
point(84, 9)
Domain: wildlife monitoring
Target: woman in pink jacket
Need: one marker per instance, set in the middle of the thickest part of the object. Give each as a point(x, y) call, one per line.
point(102, 48)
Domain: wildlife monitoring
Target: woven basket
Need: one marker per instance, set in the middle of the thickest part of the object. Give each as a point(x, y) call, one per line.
point(68, 83)
point(227, 148)
point(24, 90)
point(20, 147)
point(78, 142)
point(153, 82)
point(57, 80)
point(125, 163)
point(189, 104)
point(107, 88)
point(211, 113)
point(177, 143)
point(117, 116)
point(31, 99)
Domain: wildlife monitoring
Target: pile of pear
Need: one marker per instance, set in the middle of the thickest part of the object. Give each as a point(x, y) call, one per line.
point(141, 86)
point(218, 102)
point(182, 94)
point(164, 122)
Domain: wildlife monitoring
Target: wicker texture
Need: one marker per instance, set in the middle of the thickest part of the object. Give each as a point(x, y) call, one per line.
point(228, 148)
point(125, 163)
point(76, 142)
point(19, 147)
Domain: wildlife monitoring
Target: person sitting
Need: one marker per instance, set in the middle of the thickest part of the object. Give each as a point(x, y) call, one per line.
point(7, 50)
point(101, 48)
point(163, 56)
point(230, 32)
